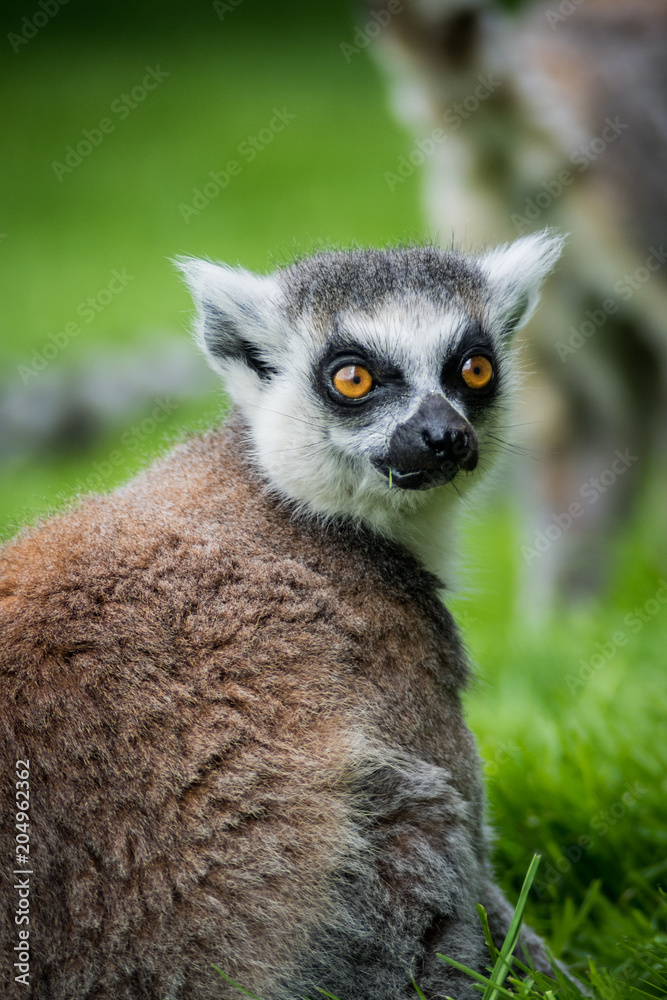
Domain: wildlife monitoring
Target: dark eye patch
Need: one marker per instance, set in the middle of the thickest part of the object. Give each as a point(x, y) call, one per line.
point(472, 341)
point(387, 378)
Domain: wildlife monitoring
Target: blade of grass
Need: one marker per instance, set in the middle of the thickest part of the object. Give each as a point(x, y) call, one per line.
point(484, 980)
point(493, 951)
point(420, 994)
point(643, 993)
point(234, 983)
point(503, 962)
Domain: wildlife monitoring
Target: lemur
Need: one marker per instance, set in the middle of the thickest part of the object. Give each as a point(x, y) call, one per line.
point(555, 114)
point(230, 691)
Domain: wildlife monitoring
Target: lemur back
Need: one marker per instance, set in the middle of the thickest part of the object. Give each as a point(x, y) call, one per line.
point(241, 715)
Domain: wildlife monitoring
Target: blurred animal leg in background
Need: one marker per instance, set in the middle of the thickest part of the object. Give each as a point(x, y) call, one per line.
point(539, 118)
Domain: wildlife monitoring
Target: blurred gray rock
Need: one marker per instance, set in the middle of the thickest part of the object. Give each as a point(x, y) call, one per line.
point(70, 406)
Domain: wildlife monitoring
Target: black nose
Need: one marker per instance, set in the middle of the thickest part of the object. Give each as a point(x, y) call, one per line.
point(455, 442)
point(436, 439)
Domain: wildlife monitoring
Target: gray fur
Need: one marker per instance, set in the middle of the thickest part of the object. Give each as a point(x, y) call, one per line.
point(238, 690)
point(330, 283)
point(412, 309)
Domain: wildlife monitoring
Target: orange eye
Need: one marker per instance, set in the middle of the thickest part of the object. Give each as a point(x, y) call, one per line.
point(353, 381)
point(477, 371)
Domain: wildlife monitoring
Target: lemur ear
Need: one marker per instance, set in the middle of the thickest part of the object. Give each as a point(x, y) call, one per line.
point(237, 316)
point(515, 273)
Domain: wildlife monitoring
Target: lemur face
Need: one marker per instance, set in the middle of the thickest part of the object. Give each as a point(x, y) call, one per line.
point(369, 379)
point(411, 403)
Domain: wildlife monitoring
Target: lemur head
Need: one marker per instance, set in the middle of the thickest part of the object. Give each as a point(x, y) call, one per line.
point(371, 380)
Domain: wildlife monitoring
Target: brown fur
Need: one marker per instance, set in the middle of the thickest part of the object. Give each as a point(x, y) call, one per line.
point(246, 747)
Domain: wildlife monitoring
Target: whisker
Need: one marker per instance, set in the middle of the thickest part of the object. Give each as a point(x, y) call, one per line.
point(521, 423)
point(290, 416)
point(513, 448)
point(314, 446)
point(462, 497)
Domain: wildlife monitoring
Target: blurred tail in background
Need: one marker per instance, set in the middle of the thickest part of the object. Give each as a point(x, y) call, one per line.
point(555, 115)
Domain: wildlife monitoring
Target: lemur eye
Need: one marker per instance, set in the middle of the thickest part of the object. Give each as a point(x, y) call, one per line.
point(477, 371)
point(353, 381)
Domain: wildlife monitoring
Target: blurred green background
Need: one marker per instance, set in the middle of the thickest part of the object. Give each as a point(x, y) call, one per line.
point(570, 731)
point(66, 230)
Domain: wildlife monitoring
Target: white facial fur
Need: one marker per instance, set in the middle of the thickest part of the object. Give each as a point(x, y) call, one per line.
point(321, 461)
point(324, 463)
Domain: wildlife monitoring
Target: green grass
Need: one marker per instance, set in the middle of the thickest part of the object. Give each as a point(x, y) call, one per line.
point(560, 754)
point(576, 758)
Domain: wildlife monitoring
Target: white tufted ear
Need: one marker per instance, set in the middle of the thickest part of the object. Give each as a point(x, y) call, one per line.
point(515, 272)
point(238, 318)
